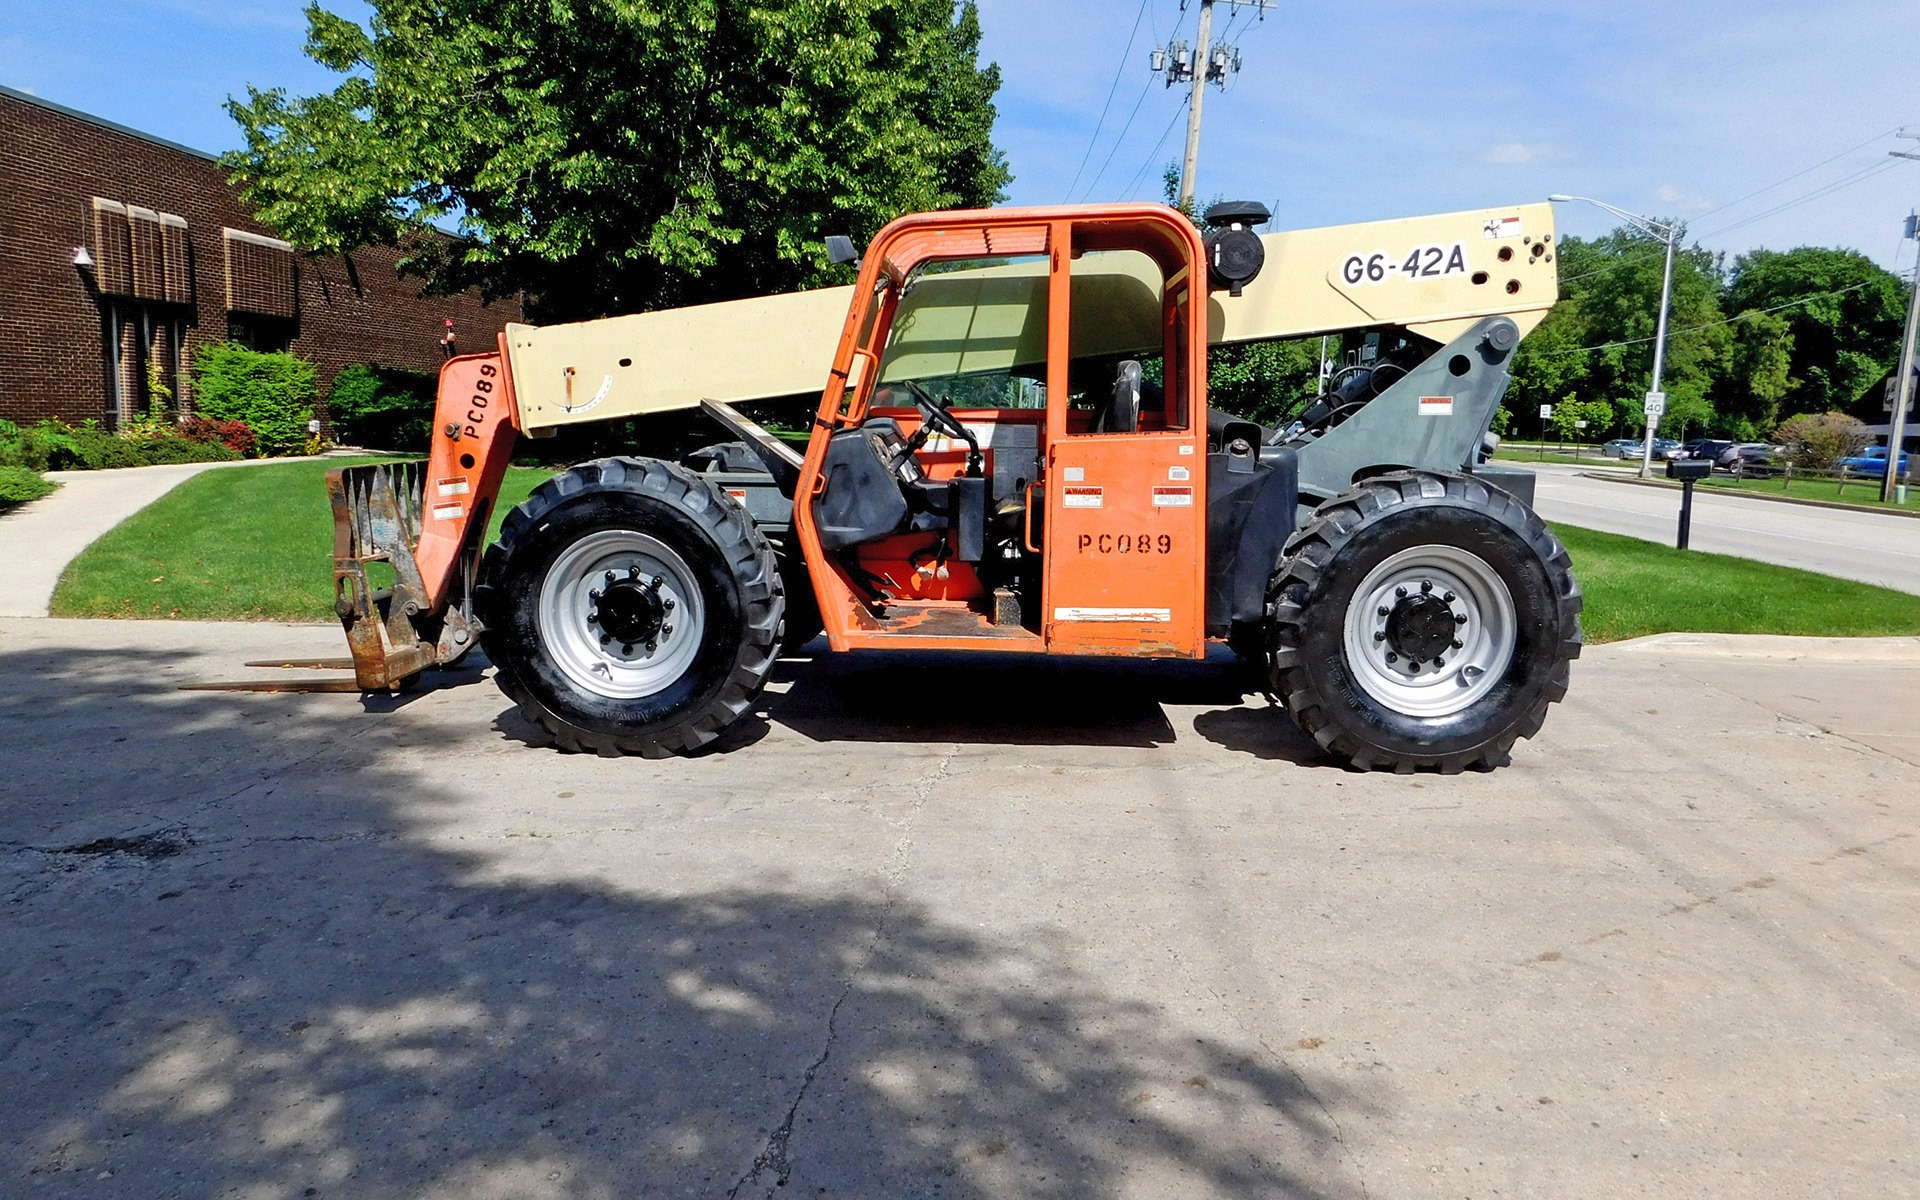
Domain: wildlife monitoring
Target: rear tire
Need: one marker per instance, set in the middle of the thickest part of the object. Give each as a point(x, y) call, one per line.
point(1422, 621)
point(630, 608)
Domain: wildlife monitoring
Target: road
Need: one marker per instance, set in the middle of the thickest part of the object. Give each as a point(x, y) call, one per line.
point(1871, 547)
point(956, 928)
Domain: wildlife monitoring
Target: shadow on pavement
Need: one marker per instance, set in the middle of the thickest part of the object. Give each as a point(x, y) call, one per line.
point(253, 950)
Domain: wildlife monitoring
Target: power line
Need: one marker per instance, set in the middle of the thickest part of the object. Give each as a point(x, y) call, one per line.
point(1120, 138)
point(1757, 312)
point(1125, 57)
point(1825, 189)
point(1153, 153)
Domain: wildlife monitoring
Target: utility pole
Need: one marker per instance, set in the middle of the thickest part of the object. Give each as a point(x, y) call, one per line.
point(1199, 93)
point(1197, 67)
point(1903, 392)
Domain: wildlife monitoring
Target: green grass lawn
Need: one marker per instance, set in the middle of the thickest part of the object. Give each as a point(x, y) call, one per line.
point(1865, 493)
point(243, 543)
point(255, 543)
point(1634, 588)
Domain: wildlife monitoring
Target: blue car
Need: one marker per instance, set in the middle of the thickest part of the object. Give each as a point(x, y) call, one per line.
point(1872, 461)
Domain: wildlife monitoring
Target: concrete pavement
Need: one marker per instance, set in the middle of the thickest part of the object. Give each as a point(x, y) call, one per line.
point(957, 928)
point(1857, 544)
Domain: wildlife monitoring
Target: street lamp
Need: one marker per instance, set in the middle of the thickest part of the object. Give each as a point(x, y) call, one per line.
point(1656, 399)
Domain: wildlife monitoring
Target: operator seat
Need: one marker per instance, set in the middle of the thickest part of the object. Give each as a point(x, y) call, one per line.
point(1121, 414)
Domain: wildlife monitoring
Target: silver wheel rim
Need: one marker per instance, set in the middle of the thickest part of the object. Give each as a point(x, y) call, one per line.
point(586, 654)
point(1485, 629)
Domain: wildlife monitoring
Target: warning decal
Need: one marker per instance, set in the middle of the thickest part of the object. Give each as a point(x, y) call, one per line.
point(1083, 497)
point(1503, 227)
point(1173, 497)
point(447, 512)
point(1436, 406)
point(451, 487)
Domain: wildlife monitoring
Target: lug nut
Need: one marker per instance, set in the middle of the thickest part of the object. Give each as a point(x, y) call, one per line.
point(657, 581)
point(1379, 635)
point(626, 648)
point(665, 630)
point(594, 594)
point(1392, 657)
point(1459, 618)
point(1457, 643)
point(1384, 610)
point(667, 604)
point(652, 646)
point(1426, 585)
point(605, 638)
point(1438, 663)
point(633, 570)
point(1448, 597)
point(611, 577)
point(1400, 592)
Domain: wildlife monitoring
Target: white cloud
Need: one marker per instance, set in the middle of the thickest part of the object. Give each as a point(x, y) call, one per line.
point(1684, 201)
point(1511, 153)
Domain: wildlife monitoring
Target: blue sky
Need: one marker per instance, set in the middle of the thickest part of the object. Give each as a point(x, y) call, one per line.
point(1345, 111)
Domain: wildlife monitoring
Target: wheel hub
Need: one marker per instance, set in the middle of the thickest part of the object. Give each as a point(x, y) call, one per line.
point(630, 610)
point(1420, 626)
point(1430, 630)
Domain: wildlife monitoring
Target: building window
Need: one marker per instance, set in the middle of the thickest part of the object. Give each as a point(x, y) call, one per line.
point(269, 335)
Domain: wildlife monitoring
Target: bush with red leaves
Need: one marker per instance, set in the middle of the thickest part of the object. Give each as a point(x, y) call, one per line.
point(234, 435)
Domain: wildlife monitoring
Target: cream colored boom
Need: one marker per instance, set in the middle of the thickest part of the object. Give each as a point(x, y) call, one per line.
point(1434, 275)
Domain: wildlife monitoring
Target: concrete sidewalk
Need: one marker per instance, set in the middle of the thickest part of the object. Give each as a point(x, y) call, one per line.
point(952, 926)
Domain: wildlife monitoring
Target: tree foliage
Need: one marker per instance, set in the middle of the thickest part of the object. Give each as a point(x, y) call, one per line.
point(603, 156)
point(1770, 336)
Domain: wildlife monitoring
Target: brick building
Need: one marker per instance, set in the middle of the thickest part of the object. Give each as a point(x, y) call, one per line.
point(120, 253)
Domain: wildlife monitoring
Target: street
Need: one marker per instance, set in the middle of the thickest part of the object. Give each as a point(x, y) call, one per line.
point(957, 927)
point(1868, 546)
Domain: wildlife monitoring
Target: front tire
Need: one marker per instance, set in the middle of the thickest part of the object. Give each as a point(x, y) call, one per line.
point(1422, 621)
point(630, 608)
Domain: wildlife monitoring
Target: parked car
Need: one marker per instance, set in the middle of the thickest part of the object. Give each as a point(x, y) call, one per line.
point(1720, 453)
point(1872, 461)
point(1630, 448)
point(1753, 454)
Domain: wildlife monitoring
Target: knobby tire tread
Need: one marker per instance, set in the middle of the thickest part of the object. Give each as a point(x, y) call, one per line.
point(1294, 604)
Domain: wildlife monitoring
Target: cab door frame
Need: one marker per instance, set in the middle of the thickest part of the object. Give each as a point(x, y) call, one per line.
point(1124, 557)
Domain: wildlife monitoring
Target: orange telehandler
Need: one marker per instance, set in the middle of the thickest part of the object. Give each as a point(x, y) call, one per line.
point(1013, 453)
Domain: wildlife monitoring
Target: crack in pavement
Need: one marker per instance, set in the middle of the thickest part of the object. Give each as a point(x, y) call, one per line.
point(773, 1157)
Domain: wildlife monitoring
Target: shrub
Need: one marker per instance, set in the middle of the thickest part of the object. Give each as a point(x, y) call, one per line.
point(1818, 441)
point(56, 446)
point(172, 448)
point(19, 485)
point(234, 435)
point(273, 393)
point(384, 408)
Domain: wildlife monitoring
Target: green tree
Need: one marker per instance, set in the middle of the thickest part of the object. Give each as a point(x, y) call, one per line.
point(1569, 413)
point(611, 155)
point(1758, 375)
point(1841, 344)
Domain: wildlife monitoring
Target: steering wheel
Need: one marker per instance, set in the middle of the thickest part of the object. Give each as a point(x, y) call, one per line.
point(936, 413)
point(939, 416)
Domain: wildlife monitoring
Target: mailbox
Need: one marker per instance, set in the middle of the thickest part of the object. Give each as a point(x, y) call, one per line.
point(1689, 469)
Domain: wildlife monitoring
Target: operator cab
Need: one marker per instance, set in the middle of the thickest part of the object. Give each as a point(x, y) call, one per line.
point(1007, 380)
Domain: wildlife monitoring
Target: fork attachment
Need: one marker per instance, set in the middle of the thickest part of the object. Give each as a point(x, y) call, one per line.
point(395, 632)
